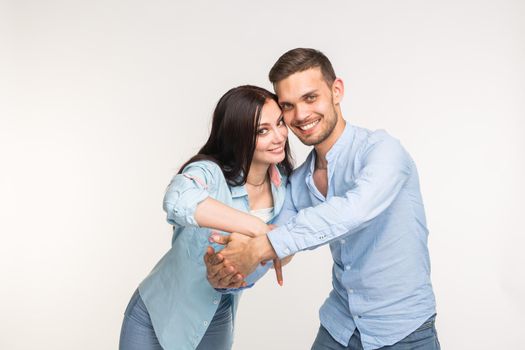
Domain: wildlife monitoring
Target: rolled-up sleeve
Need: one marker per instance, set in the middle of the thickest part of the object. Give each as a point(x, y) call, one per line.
point(187, 190)
point(386, 167)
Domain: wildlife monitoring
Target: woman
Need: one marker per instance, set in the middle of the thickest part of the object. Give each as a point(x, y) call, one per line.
point(241, 169)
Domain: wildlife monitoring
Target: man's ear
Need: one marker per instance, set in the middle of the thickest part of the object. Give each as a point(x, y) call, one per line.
point(338, 90)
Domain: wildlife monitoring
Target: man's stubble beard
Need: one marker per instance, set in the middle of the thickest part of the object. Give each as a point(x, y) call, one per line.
point(327, 132)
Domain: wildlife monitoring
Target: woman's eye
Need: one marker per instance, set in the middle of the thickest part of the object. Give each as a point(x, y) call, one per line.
point(262, 131)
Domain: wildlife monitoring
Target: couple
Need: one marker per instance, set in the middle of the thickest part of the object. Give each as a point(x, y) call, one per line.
point(358, 191)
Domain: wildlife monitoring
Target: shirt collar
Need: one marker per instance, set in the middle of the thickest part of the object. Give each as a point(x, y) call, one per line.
point(346, 138)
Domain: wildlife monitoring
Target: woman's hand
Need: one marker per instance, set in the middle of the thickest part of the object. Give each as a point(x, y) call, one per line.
point(220, 275)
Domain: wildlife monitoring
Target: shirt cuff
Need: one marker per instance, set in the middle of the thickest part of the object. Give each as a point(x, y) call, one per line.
point(233, 290)
point(282, 242)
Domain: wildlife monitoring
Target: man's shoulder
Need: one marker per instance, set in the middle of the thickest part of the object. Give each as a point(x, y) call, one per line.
point(371, 136)
point(366, 138)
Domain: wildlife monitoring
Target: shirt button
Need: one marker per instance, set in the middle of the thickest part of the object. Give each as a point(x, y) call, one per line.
point(215, 301)
point(342, 241)
point(350, 291)
point(348, 267)
point(205, 323)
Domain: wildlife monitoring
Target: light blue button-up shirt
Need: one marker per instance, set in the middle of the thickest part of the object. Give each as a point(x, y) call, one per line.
point(179, 299)
point(374, 221)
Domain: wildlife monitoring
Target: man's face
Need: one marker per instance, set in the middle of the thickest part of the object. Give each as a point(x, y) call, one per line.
point(308, 105)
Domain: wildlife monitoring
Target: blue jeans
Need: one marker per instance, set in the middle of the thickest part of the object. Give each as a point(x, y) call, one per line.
point(423, 338)
point(138, 334)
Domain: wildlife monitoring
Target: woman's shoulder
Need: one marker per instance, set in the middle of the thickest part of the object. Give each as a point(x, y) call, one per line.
point(208, 170)
point(204, 164)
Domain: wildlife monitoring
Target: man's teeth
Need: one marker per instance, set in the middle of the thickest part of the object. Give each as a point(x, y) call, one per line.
point(309, 126)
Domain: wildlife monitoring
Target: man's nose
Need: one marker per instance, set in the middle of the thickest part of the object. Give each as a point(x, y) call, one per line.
point(301, 112)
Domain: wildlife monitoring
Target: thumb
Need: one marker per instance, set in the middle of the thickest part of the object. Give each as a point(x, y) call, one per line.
point(223, 240)
point(210, 251)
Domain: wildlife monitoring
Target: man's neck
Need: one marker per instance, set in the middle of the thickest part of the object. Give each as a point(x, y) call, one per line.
point(324, 147)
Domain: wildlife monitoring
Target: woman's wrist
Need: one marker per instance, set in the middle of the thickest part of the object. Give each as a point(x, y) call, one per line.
point(261, 229)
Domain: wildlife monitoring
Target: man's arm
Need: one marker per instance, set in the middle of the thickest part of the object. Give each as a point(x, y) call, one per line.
point(386, 167)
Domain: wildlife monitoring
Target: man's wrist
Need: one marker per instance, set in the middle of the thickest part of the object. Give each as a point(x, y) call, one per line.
point(264, 249)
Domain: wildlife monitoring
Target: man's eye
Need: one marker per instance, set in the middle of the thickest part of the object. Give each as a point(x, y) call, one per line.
point(286, 107)
point(310, 98)
point(280, 122)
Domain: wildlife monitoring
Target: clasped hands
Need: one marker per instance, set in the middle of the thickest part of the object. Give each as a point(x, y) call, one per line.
point(240, 257)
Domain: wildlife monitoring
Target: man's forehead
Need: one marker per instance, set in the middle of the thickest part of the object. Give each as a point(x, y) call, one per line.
point(298, 84)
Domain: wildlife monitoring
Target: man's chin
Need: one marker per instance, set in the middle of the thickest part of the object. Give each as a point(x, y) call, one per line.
point(310, 141)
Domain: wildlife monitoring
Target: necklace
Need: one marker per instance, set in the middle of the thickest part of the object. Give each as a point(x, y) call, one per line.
point(259, 185)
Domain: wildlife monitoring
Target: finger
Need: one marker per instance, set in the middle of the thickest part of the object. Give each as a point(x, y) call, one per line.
point(213, 273)
point(237, 281)
point(278, 271)
point(223, 240)
point(227, 271)
point(213, 278)
point(216, 259)
point(214, 270)
point(208, 255)
point(227, 280)
point(209, 252)
point(213, 266)
point(231, 280)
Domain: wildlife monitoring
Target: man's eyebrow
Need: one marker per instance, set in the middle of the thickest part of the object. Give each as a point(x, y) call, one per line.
point(302, 97)
point(309, 93)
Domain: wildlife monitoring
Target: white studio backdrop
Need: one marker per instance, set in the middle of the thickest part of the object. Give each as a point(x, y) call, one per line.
point(101, 102)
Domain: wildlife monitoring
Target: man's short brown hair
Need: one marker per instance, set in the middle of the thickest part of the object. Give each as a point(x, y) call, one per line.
point(301, 59)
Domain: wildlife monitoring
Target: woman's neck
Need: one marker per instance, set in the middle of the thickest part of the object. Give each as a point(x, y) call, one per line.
point(258, 187)
point(258, 174)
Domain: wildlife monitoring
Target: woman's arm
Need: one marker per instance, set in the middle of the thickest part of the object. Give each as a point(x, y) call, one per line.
point(188, 202)
point(217, 215)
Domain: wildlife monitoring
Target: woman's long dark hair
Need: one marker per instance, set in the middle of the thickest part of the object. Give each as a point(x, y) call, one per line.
point(233, 135)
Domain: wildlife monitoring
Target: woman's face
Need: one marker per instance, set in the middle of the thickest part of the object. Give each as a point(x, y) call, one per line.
point(271, 135)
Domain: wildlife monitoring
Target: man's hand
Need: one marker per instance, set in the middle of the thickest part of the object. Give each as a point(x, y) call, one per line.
point(245, 253)
point(220, 274)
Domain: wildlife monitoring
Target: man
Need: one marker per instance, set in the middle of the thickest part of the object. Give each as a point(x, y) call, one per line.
point(358, 191)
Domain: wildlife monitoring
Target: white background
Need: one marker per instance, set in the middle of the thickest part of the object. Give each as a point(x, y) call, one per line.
point(101, 101)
